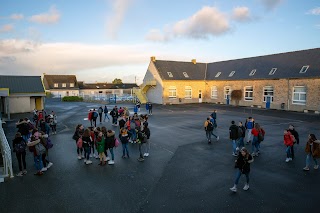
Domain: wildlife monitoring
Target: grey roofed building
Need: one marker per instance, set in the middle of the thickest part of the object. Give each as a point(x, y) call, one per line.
point(49, 82)
point(97, 86)
point(22, 84)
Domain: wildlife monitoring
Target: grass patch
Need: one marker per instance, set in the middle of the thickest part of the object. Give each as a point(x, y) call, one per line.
point(72, 99)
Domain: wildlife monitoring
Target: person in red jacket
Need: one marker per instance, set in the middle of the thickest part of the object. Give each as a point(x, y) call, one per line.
point(90, 117)
point(288, 140)
point(256, 139)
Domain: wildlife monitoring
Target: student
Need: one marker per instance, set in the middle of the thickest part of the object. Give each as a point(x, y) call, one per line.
point(312, 150)
point(296, 137)
point(233, 135)
point(213, 121)
point(114, 114)
point(214, 118)
point(146, 131)
point(93, 134)
point(243, 167)
point(53, 122)
point(36, 155)
point(100, 148)
point(249, 126)
point(124, 138)
point(241, 135)
point(100, 111)
point(133, 132)
point(141, 140)
point(208, 127)
point(122, 121)
point(46, 163)
point(90, 117)
point(288, 140)
point(78, 134)
point(87, 141)
point(258, 134)
point(110, 143)
point(19, 147)
point(106, 114)
point(94, 117)
point(150, 108)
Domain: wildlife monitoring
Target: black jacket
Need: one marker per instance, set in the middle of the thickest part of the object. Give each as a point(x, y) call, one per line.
point(233, 130)
point(244, 164)
point(295, 134)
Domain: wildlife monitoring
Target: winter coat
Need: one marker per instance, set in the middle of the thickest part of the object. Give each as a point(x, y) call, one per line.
point(146, 131)
point(124, 138)
point(77, 134)
point(295, 134)
point(249, 124)
point(100, 144)
point(90, 116)
point(100, 110)
point(16, 141)
point(109, 140)
point(233, 132)
point(288, 139)
point(243, 129)
point(243, 163)
point(122, 122)
point(86, 142)
point(313, 149)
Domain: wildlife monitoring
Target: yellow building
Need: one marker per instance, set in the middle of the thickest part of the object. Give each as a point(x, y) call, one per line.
point(287, 81)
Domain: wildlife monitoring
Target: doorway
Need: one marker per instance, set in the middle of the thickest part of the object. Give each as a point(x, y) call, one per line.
point(200, 96)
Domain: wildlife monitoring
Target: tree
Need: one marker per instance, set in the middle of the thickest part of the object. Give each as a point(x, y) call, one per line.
point(117, 81)
point(236, 95)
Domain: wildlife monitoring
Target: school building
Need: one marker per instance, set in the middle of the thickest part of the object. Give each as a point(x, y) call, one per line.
point(289, 81)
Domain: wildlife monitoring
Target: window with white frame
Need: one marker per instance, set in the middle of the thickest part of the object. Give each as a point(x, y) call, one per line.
point(71, 84)
point(55, 85)
point(170, 74)
point(172, 92)
point(227, 92)
point(232, 73)
point(64, 85)
point(218, 74)
point(185, 74)
point(253, 72)
point(304, 69)
point(188, 92)
point(272, 71)
point(214, 92)
point(268, 92)
point(299, 95)
point(248, 93)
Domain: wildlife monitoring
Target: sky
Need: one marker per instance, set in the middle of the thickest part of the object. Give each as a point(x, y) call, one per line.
point(100, 40)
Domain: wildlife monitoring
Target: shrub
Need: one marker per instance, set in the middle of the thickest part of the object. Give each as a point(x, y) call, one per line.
point(236, 95)
point(72, 98)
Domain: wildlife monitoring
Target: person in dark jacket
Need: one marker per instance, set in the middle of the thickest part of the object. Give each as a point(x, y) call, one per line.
point(122, 121)
point(249, 125)
point(100, 111)
point(233, 132)
point(86, 144)
point(106, 114)
point(150, 108)
point(241, 135)
point(23, 128)
point(114, 114)
point(146, 131)
point(243, 167)
point(19, 147)
point(124, 138)
point(110, 143)
point(78, 134)
point(296, 136)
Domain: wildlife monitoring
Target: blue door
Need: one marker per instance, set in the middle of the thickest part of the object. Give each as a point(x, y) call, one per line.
point(268, 101)
point(228, 99)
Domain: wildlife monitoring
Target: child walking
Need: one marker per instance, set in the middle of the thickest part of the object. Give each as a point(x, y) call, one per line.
point(288, 140)
point(313, 151)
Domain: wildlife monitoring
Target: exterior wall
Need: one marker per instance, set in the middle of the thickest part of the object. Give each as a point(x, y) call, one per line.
point(95, 92)
point(32, 103)
point(57, 93)
point(180, 88)
point(154, 94)
point(283, 92)
point(19, 104)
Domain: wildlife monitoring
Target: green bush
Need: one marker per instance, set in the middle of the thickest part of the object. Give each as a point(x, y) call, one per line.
point(72, 98)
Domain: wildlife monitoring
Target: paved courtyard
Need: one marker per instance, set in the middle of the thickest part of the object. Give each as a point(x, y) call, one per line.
point(182, 174)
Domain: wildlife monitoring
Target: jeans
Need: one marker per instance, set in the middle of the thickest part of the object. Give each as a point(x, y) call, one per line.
point(308, 159)
point(150, 111)
point(25, 137)
point(147, 144)
point(234, 146)
point(240, 142)
point(38, 162)
point(112, 153)
point(249, 135)
point(100, 117)
point(255, 144)
point(133, 134)
point(140, 146)
point(106, 116)
point(94, 120)
point(288, 151)
point(238, 175)
point(54, 128)
point(21, 156)
point(87, 152)
point(44, 160)
point(292, 152)
point(125, 149)
point(114, 120)
point(214, 134)
point(208, 135)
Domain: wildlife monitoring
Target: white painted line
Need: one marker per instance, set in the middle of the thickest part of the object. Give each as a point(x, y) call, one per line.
point(85, 119)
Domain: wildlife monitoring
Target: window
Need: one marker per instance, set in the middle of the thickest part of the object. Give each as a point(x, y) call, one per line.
point(64, 85)
point(248, 93)
point(227, 92)
point(172, 92)
point(272, 71)
point(56, 85)
point(299, 95)
point(214, 92)
point(170, 74)
point(304, 69)
point(185, 74)
point(268, 92)
point(252, 72)
point(71, 84)
point(218, 74)
point(232, 73)
point(188, 92)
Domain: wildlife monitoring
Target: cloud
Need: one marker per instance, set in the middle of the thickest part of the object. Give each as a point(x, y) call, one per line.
point(241, 14)
point(271, 4)
point(156, 35)
point(314, 11)
point(119, 9)
point(6, 28)
point(16, 17)
point(51, 17)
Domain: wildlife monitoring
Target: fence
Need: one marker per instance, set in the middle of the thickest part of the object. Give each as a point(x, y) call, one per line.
point(6, 155)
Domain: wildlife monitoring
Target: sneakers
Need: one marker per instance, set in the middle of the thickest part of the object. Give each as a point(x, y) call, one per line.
point(306, 168)
point(111, 162)
point(316, 167)
point(20, 174)
point(218, 138)
point(85, 160)
point(90, 156)
point(246, 187)
point(235, 154)
point(88, 162)
point(290, 159)
point(49, 165)
point(95, 156)
point(24, 172)
point(253, 154)
point(140, 159)
point(146, 154)
point(44, 169)
point(107, 158)
point(234, 188)
point(79, 157)
point(287, 160)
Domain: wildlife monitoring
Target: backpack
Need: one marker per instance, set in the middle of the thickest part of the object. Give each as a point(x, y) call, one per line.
point(260, 136)
point(209, 126)
point(250, 125)
point(94, 114)
point(40, 149)
point(20, 147)
point(49, 143)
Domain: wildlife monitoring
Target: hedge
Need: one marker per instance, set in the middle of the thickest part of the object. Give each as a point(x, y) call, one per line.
point(72, 98)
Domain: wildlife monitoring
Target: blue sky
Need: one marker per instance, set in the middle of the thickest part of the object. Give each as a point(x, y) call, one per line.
point(100, 40)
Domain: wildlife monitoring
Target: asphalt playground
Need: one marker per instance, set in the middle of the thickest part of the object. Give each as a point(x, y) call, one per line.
point(182, 174)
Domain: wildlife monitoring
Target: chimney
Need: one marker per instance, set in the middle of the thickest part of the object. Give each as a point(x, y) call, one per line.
point(153, 58)
point(194, 61)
